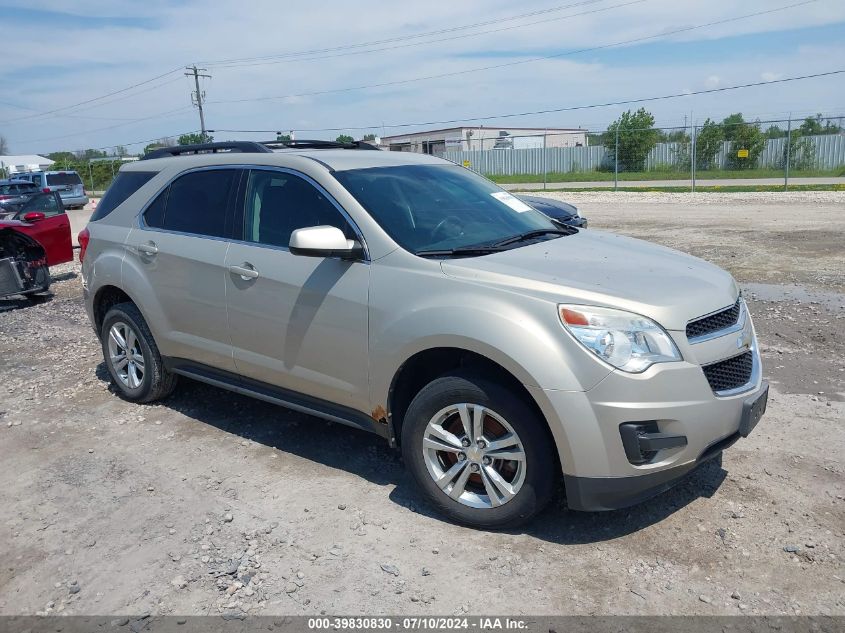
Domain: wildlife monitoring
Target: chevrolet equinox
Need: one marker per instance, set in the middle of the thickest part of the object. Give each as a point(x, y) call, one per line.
point(408, 296)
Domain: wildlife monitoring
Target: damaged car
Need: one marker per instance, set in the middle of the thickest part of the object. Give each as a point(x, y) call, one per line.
point(33, 237)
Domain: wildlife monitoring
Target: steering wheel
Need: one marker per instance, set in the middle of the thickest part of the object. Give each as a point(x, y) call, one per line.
point(441, 226)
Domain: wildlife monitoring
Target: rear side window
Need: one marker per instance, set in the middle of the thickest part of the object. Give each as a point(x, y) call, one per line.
point(126, 183)
point(63, 178)
point(195, 203)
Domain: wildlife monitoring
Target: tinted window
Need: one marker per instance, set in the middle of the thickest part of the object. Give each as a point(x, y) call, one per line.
point(154, 215)
point(63, 178)
point(278, 203)
point(431, 207)
point(43, 203)
point(8, 189)
point(197, 202)
point(126, 183)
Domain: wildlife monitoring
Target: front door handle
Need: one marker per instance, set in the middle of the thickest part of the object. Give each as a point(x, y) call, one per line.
point(245, 271)
point(148, 248)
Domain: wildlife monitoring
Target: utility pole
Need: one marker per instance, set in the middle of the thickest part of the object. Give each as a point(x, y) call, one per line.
point(198, 95)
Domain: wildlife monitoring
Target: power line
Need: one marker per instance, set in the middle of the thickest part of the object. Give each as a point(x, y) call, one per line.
point(435, 41)
point(39, 114)
point(94, 99)
point(520, 61)
point(551, 110)
point(110, 127)
point(401, 38)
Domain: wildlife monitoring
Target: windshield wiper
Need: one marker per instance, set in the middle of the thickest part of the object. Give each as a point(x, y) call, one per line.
point(461, 251)
point(529, 235)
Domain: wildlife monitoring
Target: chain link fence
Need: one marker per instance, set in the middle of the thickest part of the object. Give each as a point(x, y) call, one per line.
point(733, 152)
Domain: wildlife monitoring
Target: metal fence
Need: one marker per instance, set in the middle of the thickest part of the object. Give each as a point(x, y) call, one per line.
point(746, 153)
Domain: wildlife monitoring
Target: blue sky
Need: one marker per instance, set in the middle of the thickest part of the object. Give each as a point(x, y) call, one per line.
point(67, 59)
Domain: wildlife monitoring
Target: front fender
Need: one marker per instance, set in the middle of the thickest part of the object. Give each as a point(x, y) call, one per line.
point(420, 308)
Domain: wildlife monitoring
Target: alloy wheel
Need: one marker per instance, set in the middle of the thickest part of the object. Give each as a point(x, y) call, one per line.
point(125, 355)
point(474, 456)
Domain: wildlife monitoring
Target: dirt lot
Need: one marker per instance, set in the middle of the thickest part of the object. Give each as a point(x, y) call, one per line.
point(211, 502)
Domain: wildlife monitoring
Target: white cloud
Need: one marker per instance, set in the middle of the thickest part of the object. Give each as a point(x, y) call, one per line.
point(112, 58)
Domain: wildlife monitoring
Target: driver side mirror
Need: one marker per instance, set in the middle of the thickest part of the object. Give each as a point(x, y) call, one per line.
point(324, 241)
point(33, 216)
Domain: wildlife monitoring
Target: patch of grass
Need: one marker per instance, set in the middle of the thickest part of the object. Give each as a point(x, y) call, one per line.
point(715, 174)
point(713, 189)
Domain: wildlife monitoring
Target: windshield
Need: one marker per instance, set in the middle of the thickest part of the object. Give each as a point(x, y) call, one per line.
point(440, 207)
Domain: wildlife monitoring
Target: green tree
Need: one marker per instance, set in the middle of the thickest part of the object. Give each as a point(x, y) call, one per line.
point(4, 145)
point(195, 138)
point(369, 137)
point(121, 151)
point(88, 154)
point(743, 135)
point(802, 154)
point(344, 138)
point(774, 131)
point(283, 137)
point(708, 141)
point(637, 137)
point(812, 126)
point(62, 158)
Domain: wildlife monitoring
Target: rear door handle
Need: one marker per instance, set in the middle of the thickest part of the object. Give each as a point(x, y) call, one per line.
point(148, 248)
point(245, 271)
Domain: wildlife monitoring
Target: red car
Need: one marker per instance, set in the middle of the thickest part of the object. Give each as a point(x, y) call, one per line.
point(33, 236)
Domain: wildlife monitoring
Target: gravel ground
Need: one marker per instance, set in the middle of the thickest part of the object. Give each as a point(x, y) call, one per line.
point(214, 503)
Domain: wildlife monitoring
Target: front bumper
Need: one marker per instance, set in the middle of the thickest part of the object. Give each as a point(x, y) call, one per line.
point(613, 493)
point(674, 399)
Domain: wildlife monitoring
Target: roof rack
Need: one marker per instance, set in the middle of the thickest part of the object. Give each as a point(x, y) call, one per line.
point(246, 147)
point(318, 144)
point(252, 147)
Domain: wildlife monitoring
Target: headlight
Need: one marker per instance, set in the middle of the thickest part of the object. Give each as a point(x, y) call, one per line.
point(627, 341)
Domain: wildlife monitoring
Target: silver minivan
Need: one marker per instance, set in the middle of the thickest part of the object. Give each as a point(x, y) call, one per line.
point(67, 183)
point(408, 296)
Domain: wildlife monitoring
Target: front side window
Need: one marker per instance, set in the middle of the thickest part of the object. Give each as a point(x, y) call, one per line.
point(278, 203)
point(432, 207)
point(43, 203)
point(195, 203)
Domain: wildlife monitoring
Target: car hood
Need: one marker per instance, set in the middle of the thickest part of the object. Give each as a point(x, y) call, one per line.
point(549, 204)
point(598, 268)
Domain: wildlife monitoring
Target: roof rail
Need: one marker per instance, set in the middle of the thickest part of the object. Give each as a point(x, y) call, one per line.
point(247, 147)
point(318, 144)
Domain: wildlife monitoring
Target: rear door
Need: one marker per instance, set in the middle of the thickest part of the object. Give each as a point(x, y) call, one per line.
point(179, 249)
point(296, 322)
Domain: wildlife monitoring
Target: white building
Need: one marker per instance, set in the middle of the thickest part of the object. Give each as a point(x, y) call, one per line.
point(19, 164)
point(477, 138)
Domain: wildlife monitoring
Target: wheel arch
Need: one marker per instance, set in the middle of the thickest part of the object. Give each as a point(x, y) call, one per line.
point(105, 298)
point(424, 366)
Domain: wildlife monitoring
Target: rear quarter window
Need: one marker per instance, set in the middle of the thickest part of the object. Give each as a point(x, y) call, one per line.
point(124, 185)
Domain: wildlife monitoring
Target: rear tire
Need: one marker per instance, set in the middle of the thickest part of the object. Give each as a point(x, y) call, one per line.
point(132, 357)
point(509, 469)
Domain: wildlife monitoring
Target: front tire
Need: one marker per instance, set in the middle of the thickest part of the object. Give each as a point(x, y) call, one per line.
point(478, 452)
point(132, 356)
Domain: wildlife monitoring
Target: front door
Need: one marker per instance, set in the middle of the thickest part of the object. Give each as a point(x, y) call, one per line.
point(296, 322)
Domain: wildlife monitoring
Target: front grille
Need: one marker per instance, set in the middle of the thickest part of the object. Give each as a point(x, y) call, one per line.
point(714, 322)
point(731, 373)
